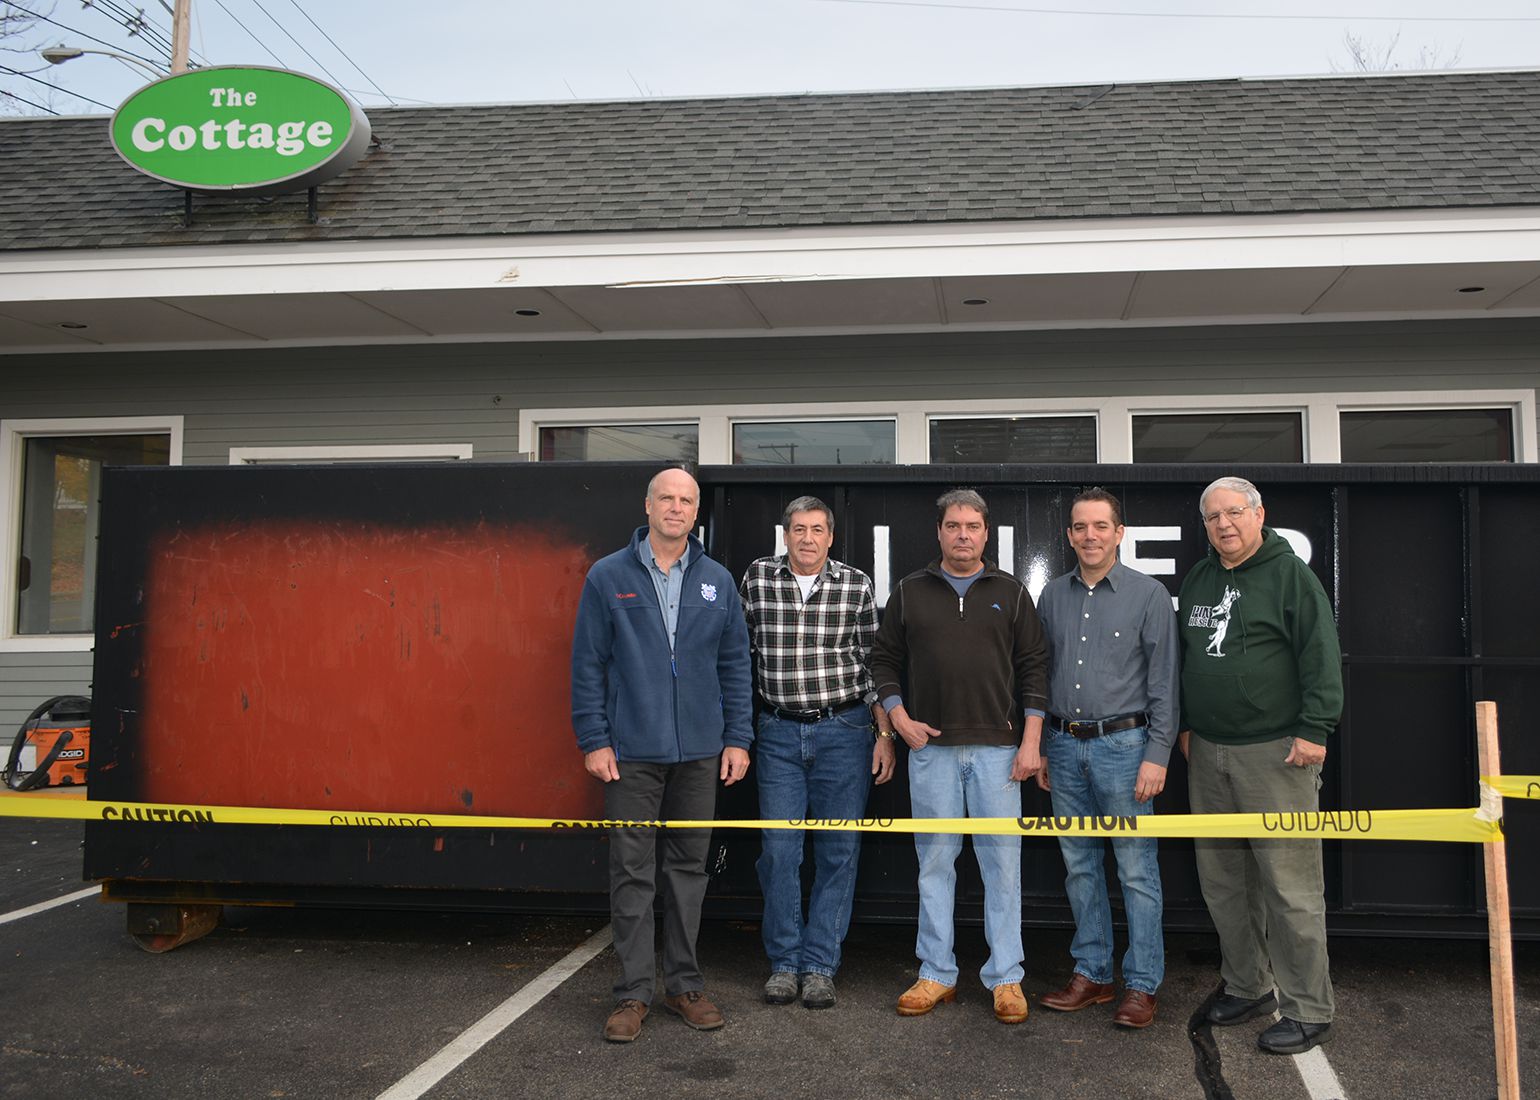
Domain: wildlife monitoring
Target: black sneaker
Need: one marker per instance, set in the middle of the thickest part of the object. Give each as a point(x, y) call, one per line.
point(1227, 1010)
point(1292, 1037)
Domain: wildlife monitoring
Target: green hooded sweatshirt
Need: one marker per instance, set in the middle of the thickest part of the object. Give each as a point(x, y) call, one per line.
point(1260, 659)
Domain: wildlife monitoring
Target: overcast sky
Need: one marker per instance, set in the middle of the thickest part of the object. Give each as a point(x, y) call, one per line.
point(487, 51)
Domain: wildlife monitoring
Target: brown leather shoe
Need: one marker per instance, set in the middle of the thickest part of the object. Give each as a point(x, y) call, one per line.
point(695, 1009)
point(1136, 1009)
point(1010, 1003)
point(1081, 992)
point(625, 1023)
point(923, 996)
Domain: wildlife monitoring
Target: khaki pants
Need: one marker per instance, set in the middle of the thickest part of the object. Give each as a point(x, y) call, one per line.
point(1266, 897)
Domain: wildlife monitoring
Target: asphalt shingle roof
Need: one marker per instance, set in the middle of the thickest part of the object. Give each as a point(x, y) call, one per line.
point(1205, 147)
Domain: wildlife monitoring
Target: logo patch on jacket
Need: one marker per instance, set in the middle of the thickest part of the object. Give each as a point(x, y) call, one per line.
point(708, 592)
point(625, 595)
point(1216, 619)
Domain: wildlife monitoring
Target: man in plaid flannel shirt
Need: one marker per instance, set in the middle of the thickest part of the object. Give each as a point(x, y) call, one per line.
point(811, 622)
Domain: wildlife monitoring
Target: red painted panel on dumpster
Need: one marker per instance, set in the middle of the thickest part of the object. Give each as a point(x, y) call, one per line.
point(357, 666)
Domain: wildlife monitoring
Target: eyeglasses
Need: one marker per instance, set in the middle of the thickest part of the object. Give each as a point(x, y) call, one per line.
point(1232, 514)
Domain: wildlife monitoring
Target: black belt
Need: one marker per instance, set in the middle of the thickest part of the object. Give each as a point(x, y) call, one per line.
point(1095, 728)
point(810, 715)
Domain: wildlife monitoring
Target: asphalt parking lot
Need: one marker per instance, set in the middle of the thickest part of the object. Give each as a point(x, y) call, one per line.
point(344, 1004)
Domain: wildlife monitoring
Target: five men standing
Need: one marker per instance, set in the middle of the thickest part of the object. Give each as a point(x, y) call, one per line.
point(662, 709)
point(811, 624)
point(1112, 658)
point(1261, 690)
point(661, 705)
point(965, 638)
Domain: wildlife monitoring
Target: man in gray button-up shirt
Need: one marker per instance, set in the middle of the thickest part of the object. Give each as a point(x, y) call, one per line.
point(1112, 683)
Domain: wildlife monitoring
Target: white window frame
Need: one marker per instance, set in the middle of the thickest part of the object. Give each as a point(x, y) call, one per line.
point(1114, 417)
point(362, 452)
point(1219, 407)
point(529, 438)
point(1520, 409)
point(1094, 415)
point(826, 417)
point(13, 442)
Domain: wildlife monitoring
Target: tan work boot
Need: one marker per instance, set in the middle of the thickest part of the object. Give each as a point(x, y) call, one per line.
point(923, 996)
point(1010, 1003)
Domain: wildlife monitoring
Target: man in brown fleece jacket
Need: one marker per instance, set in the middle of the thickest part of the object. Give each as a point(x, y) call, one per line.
point(961, 667)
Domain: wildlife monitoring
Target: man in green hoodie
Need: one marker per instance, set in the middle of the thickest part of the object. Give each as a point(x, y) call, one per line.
point(1261, 690)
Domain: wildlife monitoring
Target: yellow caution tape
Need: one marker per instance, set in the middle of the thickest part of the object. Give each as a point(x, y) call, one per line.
point(1456, 825)
point(1514, 786)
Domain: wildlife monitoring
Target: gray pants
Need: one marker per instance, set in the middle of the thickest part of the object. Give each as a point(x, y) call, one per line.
point(686, 792)
point(1266, 897)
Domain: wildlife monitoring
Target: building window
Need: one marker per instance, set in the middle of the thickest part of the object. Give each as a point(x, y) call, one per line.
point(621, 443)
point(57, 476)
point(815, 443)
point(1219, 437)
point(1013, 439)
point(361, 452)
point(1428, 435)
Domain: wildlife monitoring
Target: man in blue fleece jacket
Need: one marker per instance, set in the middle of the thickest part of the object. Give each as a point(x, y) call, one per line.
point(662, 708)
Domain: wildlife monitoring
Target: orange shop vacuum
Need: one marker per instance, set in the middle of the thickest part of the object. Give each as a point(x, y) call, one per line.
point(58, 732)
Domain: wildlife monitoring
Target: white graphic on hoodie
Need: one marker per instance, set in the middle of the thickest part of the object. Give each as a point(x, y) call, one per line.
point(1219, 619)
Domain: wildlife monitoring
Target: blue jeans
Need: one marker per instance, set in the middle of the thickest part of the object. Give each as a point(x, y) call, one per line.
point(967, 781)
point(820, 770)
point(1095, 778)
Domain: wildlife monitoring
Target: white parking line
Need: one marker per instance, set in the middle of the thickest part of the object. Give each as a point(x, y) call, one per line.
point(1320, 1079)
point(484, 1030)
point(44, 906)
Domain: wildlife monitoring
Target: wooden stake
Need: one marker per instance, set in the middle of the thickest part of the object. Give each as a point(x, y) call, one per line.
point(1499, 935)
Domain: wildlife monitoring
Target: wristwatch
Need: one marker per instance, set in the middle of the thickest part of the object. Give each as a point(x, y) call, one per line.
point(886, 735)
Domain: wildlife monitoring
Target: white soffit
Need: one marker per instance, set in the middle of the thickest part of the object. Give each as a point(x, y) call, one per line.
point(660, 309)
point(1406, 287)
point(1252, 292)
point(1036, 298)
point(297, 316)
point(118, 320)
point(861, 302)
point(478, 312)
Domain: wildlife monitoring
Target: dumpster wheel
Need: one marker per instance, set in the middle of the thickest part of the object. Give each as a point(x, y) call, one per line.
point(158, 927)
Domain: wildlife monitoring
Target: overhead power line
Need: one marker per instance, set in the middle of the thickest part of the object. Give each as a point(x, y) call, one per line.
point(55, 87)
point(1295, 16)
point(28, 102)
point(76, 30)
point(343, 52)
point(136, 23)
point(250, 34)
point(297, 42)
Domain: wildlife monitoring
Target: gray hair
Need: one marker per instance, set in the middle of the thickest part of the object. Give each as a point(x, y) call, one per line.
point(652, 482)
point(1234, 485)
point(960, 498)
point(806, 504)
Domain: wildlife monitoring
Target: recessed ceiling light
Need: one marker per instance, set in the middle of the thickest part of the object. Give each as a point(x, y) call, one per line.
point(1472, 289)
point(975, 301)
point(71, 324)
point(527, 312)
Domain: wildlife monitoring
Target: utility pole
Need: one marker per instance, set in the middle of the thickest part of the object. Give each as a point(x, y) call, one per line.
point(181, 32)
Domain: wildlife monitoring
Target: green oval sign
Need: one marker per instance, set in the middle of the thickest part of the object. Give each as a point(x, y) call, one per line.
point(240, 128)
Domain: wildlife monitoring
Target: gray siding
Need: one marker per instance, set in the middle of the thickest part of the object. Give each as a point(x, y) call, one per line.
point(473, 392)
